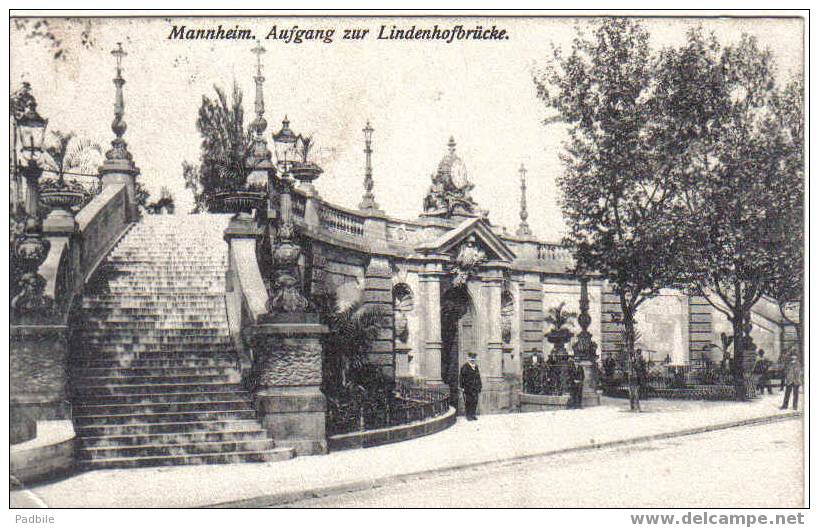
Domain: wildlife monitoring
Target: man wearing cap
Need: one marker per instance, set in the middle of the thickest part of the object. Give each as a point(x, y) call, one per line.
point(471, 385)
point(793, 379)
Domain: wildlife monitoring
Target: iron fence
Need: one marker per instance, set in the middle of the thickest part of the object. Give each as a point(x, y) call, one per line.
point(365, 412)
point(545, 378)
point(689, 382)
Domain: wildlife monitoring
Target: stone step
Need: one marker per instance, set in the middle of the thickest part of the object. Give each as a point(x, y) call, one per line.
point(171, 397)
point(165, 388)
point(139, 428)
point(112, 409)
point(215, 351)
point(135, 339)
point(112, 381)
point(270, 455)
point(172, 438)
point(131, 362)
point(154, 351)
point(131, 372)
point(190, 416)
point(230, 446)
point(90, 332)
point(206, 326)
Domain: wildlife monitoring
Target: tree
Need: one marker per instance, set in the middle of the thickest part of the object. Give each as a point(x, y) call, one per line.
point(734, 166)
point(193, 181)
point(226, 143)
point(787, 285)
point(617, 193)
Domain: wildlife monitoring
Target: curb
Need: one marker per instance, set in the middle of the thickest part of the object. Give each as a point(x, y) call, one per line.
point(281, 499)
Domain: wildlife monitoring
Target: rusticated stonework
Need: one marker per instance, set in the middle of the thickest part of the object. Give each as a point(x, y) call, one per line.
point(287, 361)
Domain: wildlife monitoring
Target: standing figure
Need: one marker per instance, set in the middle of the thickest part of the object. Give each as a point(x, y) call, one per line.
point(760, 373)
point(576, 377)
point(471, 385)
point(793, 379)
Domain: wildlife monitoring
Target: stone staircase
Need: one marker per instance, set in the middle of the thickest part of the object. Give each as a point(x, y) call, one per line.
point(154, 373)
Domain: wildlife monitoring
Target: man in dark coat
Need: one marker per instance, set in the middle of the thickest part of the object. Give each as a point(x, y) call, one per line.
point(793, 379)
point(576, 377)
point(471, 385)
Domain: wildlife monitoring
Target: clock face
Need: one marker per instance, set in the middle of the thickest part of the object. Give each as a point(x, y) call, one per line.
point(459, 177)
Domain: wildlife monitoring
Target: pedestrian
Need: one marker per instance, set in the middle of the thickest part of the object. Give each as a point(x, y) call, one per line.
point(793, 379)
point(576, 377)
point(471, 385)
point(760, 372)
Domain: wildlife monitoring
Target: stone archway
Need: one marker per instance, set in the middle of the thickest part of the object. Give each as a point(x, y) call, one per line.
point(458, 336)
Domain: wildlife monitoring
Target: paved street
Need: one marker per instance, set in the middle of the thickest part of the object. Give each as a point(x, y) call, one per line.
point(500, 438)
point(762, 461)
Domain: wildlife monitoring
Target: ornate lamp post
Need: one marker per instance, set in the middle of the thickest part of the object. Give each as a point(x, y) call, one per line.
point(30, 251)
point(523, 228)
point(31, 129)
point(585, 349)
point(368, 201)
point(293, 163)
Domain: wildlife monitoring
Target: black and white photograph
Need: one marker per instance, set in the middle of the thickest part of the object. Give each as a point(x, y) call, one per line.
point(409, 259)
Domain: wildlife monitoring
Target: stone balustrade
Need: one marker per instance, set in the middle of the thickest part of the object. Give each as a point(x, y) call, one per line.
point(39, 340)
point(342, 221)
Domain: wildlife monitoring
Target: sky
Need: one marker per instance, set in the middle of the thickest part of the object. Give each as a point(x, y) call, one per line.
point(416, 94)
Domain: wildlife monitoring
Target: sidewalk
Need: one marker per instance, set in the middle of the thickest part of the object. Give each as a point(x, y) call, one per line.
point(490, 439)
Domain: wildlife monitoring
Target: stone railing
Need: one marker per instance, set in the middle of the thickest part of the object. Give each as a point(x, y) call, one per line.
point(554, 252)
point(39, 338)
point(340, 220)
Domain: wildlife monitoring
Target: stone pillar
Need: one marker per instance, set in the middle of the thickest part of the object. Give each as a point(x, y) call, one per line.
point(430, 282)
point(31, 175)
point(378, 294)
point(38, 364)
point(312, 206)
point(532, 316)
point(286, 381)
point(494, 395)
point(611, 339)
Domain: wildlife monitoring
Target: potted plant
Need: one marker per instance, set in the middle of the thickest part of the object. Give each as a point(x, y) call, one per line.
point(64, 155)
point(305, 171)
point(559, 318)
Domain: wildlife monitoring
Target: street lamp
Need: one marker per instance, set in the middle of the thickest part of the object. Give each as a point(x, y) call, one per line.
point(31, 129)
point(284, 144)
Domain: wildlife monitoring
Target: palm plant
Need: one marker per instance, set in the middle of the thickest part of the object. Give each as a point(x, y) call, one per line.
point(67, 153)
point(352, 328)
point(225, 142)
point(559, 317)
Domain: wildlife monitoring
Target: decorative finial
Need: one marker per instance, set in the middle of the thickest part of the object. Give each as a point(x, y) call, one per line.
point(258, 50)
point(368, 201)
point(523, 228)
point(119, 149)
point(451, 144)
point(260, 156)
point(119, 53)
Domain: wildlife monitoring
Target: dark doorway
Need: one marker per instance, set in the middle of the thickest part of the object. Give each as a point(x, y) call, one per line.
point(457, 336)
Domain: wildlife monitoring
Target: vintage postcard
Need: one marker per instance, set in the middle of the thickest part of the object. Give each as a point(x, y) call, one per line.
point(409, 260)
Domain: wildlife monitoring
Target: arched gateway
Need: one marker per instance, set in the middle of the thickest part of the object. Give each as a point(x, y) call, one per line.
point(457, 335)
